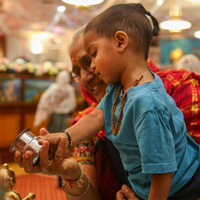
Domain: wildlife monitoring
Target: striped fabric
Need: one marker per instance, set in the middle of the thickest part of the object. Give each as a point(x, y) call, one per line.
point(184, 87)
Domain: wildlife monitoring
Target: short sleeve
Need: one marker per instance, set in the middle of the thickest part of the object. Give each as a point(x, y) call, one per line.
point(156, 143)
point(100, 105)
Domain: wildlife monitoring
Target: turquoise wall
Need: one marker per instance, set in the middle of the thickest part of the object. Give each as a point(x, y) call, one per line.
point(186, 45)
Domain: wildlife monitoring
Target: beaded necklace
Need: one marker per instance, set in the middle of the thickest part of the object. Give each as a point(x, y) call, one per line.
point(115, 129)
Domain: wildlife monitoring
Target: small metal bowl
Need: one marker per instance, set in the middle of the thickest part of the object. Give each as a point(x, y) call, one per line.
point(26, 141)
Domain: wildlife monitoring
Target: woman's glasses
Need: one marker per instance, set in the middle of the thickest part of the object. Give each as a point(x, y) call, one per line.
point(85, 64)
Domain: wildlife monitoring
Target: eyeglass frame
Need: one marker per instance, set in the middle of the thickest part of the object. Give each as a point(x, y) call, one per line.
point(84, 65)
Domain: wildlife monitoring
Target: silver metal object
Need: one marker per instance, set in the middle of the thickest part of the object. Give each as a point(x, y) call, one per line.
point(26, 141)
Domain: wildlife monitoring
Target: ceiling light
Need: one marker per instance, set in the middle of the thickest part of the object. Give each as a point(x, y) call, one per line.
point(197, 34)
point(83, 3)
point(36, 46)
point(61, 8)
point(175, 25)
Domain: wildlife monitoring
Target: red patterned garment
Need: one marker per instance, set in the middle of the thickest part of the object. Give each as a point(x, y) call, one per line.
point(184, 88)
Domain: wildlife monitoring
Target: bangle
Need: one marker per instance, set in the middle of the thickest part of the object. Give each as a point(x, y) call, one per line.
point(68, 195)
point(69, 138)
point(79, 181)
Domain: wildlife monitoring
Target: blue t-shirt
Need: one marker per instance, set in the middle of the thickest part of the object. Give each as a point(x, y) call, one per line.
point(152, 138)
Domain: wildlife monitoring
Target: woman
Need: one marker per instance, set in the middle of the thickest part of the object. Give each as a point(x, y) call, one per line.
point(177, 84)
point(93, 153)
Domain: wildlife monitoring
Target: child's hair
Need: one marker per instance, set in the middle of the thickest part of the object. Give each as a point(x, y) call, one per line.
point(130, 18)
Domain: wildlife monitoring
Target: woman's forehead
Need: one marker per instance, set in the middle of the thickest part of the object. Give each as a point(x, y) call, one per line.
point(77, 50)
point(89, 38)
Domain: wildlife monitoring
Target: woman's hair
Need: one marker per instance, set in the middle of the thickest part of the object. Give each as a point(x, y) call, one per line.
point(79, 32)
point(130, 18)
point(76, 35)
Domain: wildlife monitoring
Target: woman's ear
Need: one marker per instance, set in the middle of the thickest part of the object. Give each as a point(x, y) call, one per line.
point(121, 40)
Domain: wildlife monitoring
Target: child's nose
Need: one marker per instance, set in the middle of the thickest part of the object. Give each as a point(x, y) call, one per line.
point(92, 66)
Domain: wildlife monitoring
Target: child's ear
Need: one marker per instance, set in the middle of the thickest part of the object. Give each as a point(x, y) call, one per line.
point(121, 40)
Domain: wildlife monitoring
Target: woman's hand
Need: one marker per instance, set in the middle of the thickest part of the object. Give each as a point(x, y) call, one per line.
point(62, 164)
point(126, 193)
point(53, 139)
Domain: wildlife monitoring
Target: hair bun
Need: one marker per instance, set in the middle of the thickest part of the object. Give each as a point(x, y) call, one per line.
point(156, 30)
point(148, 13)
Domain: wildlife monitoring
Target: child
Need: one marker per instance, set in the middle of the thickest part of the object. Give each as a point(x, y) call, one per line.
point(139, 117)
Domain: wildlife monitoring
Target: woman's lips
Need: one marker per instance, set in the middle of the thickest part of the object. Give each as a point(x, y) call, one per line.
point(99, 75)
point(97, 87)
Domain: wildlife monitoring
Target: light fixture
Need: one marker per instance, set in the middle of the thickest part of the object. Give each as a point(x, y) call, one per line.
point(36, 46)
point(83, 3)
point(175, 24)
point(197, 34)
point(61, 8)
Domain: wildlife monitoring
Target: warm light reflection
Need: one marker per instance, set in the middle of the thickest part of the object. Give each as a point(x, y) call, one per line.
point(36, 46)
point(197, 34)
point(175, 25)
point(194, 1)
point(42, 36)
point(83, 3)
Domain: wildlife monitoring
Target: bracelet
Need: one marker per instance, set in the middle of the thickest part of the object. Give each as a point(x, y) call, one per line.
point(69, 138)
point(80, 194)
point(79, 181)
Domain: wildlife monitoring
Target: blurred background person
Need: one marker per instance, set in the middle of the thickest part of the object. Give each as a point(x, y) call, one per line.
point(189, 62)
point(57, 102)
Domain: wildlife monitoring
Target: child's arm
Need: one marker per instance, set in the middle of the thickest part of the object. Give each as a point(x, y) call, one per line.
point(87, 126)
point(160, 186)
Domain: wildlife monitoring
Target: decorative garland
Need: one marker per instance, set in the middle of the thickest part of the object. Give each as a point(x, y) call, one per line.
point(22, 67)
